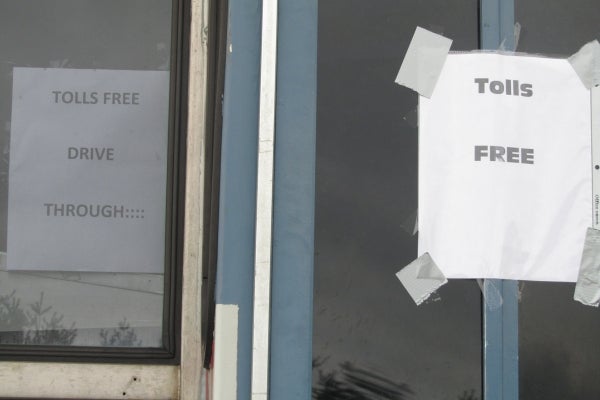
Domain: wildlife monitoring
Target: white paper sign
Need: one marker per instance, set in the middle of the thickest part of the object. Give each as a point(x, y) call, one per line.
point(88, 168)
point(505, 168)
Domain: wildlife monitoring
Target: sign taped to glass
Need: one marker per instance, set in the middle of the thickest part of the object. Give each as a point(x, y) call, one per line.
point(88, 170)
point(505, 168)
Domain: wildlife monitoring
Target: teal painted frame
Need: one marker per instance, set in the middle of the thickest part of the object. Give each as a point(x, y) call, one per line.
point(501, 324)
point(294, 202)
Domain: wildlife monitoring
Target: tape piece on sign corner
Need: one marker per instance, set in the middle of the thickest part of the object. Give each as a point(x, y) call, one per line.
point(586, 63)
point(421, 288)
point(423, 61)
point(587, 289)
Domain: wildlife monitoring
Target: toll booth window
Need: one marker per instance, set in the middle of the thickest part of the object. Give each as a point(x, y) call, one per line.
point(88, 143)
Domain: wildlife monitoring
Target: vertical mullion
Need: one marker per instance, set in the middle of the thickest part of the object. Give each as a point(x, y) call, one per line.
point(501, 338)
point(294, 201)
point(501, 349)
point(490, 24)
point(237, 202)
point(510, 340)
point(492, 357)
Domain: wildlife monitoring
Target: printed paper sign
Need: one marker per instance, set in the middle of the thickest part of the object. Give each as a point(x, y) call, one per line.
point(505, 168)
point(88, 170)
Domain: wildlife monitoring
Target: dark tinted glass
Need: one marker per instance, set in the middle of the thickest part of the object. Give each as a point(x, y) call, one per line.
point(558, 355)
point(370, 339)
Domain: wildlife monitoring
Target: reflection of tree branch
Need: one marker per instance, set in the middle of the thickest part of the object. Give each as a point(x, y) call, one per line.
point(123, 336)
point(32, 326)
point(13, 319)
point(357, 384)
point(38, 325)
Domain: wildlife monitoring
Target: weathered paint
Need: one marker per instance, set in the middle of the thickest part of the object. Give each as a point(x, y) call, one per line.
point(79, 381)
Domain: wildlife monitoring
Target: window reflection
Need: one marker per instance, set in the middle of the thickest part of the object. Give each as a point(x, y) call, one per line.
point(78, 308)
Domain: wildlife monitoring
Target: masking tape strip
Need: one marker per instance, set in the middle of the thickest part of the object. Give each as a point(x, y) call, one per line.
point(586, 63)
point(423, 61)
point(491, 293)
point(421, 288)
point(587, 290)
point(511, 40)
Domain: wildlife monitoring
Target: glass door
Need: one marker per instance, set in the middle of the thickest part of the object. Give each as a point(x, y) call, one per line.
point(369, 339)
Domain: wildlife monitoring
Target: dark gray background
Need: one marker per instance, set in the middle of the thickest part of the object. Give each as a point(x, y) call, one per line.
point(366, 192)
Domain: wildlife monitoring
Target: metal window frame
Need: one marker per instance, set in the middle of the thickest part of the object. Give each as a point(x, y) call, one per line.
point(169, 352)
point(98, 379)
point(232, 357)
point(217, 37)
point(294, 202)
point(284, 259)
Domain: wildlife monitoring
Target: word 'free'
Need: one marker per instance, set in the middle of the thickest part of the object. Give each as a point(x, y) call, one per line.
point(504, 154)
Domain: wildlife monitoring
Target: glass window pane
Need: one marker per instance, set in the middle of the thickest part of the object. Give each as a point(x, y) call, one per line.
point(369, 336)
point(84, 122)
point(557, 352)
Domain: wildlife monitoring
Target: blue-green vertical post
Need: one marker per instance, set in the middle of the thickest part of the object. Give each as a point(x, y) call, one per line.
point(293, 201)
point(501, 323)
point(237, 204)
point(497, 20)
